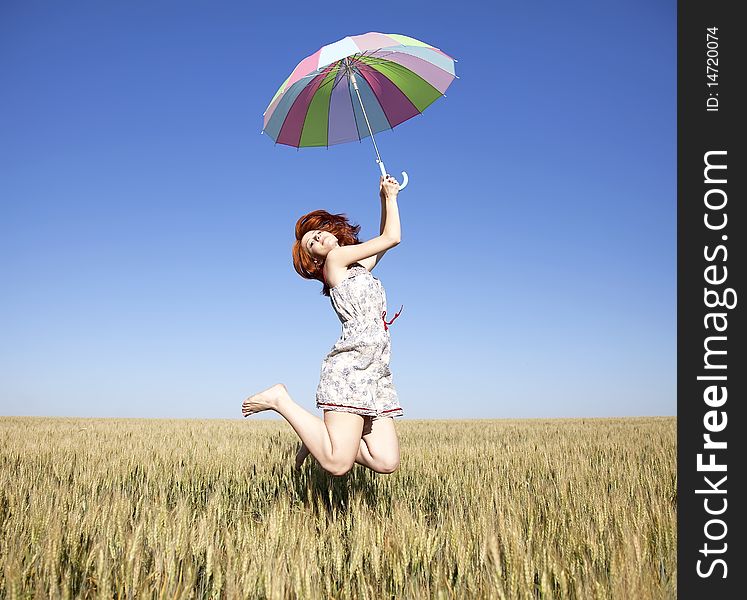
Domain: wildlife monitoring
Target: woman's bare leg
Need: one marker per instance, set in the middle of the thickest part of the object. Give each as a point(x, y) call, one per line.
point(301, 455)
point(334, 442)
point(378, 449)
point(379, 446)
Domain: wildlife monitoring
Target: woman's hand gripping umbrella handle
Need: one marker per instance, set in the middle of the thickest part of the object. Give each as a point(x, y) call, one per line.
point(405, 179)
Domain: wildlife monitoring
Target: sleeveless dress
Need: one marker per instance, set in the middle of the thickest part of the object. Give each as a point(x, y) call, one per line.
point(355, 375)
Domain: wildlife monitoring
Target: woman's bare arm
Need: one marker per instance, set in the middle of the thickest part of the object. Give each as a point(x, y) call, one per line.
point(371, 261)
point(369, 253)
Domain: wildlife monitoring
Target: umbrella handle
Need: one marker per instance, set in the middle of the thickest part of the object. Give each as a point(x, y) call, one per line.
point(405, 178)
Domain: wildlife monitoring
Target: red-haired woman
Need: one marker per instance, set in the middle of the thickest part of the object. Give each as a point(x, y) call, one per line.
point(355, 389)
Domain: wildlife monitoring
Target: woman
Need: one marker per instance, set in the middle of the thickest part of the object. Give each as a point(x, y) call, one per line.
point(355, 390)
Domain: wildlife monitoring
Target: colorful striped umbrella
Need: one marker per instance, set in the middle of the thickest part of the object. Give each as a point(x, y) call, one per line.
point(356, 87)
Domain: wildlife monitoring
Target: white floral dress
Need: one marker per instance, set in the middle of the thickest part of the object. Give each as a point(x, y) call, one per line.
point(355, 375)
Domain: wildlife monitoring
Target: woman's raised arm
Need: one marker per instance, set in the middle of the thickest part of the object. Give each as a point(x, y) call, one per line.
point(369, 253)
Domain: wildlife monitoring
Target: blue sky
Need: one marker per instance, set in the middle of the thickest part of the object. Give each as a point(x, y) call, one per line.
point(146, 224)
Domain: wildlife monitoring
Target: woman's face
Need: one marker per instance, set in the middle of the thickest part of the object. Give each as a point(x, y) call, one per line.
point(317, 243)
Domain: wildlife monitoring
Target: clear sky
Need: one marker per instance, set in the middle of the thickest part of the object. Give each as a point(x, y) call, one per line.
point(146, 224)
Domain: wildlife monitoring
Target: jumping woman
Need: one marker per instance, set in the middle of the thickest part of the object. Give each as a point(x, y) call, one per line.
point(355, 389)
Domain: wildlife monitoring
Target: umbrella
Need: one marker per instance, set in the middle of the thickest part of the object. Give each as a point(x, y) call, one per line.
point(356, 87)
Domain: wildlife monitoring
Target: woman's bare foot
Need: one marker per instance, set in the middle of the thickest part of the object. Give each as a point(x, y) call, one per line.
point(266, 400)
point(301, 455)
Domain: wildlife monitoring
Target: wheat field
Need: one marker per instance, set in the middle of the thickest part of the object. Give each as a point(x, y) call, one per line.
point(128, 508)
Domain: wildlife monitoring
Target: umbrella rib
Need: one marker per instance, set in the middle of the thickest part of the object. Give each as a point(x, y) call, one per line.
point(336, 78)
point(373, 60)
point(325, 73)
point(420, 112)
point(388, 122)
point(393, 62)
point(306, 113)
point(368, 124)
point(395, 52)
point(355, 118)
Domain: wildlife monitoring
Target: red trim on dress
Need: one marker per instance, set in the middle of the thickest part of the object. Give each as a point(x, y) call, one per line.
point(357, 407)
point(383, 318)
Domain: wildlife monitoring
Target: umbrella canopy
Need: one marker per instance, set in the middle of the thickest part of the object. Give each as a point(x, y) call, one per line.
point(357, 87)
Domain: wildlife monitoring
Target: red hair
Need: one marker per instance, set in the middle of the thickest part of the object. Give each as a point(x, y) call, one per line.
point(337, 225)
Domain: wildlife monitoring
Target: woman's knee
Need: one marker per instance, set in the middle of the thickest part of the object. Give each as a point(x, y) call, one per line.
point(387, 465)
point(338, 467)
